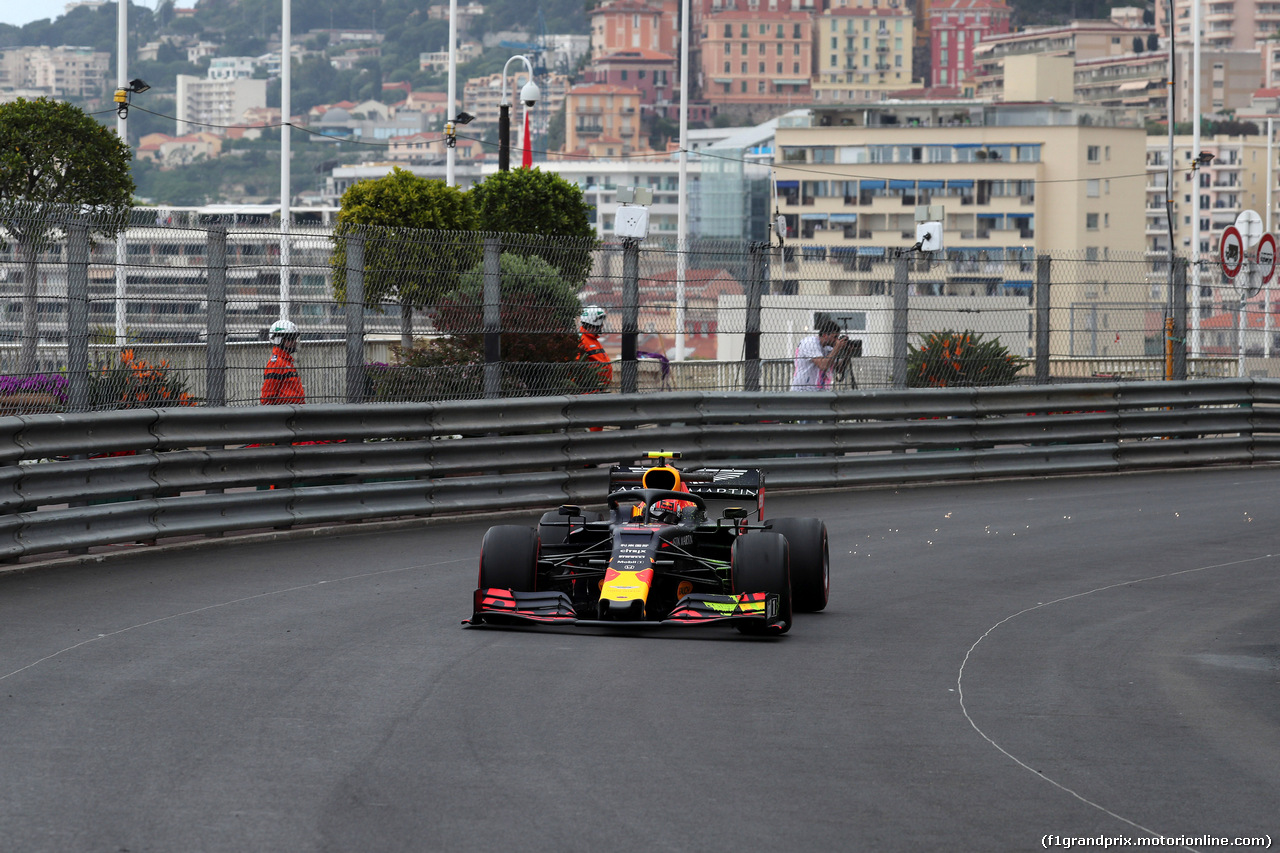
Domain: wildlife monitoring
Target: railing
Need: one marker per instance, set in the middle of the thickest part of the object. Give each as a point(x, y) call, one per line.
point(70, 482)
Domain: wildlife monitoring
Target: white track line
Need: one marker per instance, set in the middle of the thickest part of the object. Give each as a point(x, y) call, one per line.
point(222, 604)
point(1038, 774)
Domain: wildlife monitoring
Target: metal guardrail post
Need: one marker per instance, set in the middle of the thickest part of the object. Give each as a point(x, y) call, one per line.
point(215, 356)
point(751, 338)
point(1043, 277)
point(356, 390)
point(1180, 318)
point(898, 346)
point(78, 315)
point(492, 319)
point(630, 313)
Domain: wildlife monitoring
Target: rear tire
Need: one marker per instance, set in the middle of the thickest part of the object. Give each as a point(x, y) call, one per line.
point(760, 564)
point(509, 558)
point(810, 561)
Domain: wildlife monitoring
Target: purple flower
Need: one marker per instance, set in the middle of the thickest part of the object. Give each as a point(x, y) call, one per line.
point(39, 383)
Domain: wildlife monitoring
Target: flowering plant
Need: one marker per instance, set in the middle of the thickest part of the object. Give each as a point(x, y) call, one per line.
point(136, 384)
point(39, 383)
point(960, 359)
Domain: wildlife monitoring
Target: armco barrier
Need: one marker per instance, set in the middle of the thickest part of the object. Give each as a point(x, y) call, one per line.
point(65, 485)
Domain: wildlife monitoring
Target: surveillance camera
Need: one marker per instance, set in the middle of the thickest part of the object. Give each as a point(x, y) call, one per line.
point(530, 93)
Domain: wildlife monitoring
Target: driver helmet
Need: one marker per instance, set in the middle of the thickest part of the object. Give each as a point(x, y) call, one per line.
point(592, 315)
point(282, 329)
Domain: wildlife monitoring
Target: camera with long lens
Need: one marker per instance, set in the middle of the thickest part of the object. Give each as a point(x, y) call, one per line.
point(840, 368)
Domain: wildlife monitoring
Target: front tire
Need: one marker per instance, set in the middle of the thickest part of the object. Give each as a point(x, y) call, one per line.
point(810, 561)
point(760, 564)
point(509, 558)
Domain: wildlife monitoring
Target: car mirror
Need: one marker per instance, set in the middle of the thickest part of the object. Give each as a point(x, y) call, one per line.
point(570, 509)
point(735, 512)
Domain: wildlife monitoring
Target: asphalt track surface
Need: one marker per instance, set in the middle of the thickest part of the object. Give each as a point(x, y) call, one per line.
point(1083, 657)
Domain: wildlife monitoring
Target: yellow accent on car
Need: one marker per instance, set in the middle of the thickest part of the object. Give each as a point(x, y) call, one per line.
point(627, 586)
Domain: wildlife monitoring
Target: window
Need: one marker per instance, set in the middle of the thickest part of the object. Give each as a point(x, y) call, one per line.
point(1093, 154)
point(728, 31)
point(1091, 188)
point(761, 71)
point(727, 67)
point(1091, 221)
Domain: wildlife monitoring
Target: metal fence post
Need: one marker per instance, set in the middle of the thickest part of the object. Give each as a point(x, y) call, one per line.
point(215, 356)
point(356, 386)
point(1180, 318)
point(1043, 263)
point(751, 336)
point(78, 315)
point(630, 313)
point(898, 346)
point(492, 319)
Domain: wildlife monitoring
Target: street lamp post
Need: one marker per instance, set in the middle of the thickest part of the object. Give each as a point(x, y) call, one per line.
point(529, 94)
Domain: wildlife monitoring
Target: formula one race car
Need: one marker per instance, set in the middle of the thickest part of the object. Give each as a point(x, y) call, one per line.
point(656, 558)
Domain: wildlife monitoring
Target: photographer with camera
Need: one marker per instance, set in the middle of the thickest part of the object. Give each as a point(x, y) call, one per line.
point(817, 355)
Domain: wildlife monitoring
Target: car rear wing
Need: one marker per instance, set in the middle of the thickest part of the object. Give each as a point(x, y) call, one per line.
point(717, 484)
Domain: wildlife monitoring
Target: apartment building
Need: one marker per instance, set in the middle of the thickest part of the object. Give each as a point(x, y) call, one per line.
point(213, 105)
point(1228, 79)
point(863, 53)
point(635, 24)
point(481, 97)
point(438, 60)
point(1235, 181)
point(231, 67)
point(1226, 24)
point(1135, 81)
point(63, 71)
point(1082, 40)
point(651, 72)
point(601, 115)
point(1014, 180)
point(956, 28)
point(758, 56)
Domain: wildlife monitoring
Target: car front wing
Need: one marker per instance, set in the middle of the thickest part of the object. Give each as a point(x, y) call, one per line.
point(507, 607)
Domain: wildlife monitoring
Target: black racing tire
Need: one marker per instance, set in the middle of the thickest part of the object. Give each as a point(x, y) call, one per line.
point(552, 529)
point(509, 558)
point(810, 561)
point(760, 564)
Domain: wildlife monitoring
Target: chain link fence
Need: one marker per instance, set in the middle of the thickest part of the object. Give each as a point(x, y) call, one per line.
point(169, 308)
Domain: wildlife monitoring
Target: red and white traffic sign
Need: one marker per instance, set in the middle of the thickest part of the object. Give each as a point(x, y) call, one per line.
point(1231, 251)
point(1267, 257)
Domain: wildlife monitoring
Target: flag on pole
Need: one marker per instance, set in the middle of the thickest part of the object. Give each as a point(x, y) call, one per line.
point(527, 160)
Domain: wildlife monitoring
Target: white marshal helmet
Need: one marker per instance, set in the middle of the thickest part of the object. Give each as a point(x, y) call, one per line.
point(592, 315)
point(281, 329)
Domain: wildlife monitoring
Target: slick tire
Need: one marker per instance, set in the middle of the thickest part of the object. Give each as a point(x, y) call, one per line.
point(760, 564)
point(509, 558)
point(810, 561)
